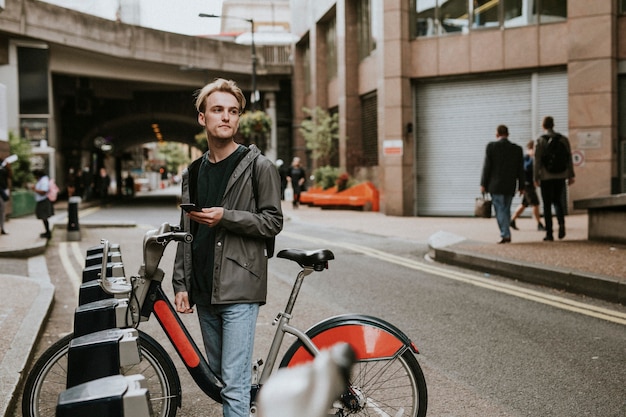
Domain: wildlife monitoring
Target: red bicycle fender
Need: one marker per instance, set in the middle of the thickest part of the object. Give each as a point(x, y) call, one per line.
point(369, 337)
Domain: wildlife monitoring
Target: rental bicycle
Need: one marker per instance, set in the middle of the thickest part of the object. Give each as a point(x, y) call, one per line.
point(385, 380)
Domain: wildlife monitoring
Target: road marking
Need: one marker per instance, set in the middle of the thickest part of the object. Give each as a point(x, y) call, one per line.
point(77, 253)
point(88, 211)
point(528, 294)
point(69, 268)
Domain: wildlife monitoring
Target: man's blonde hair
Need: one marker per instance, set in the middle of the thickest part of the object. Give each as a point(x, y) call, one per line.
point(219, 84)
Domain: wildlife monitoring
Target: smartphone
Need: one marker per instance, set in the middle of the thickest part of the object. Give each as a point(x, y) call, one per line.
point(190, 207)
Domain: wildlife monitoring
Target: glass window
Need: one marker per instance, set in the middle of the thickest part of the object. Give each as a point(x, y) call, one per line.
point(453, 15)
point(485, 13)
point(32, 66)
point(622, 6)
point(426, 24)
point(306, 66)
point(437, 17)
point(364, 26)
point(552, 10)
point(513, 13)
point(331, 49)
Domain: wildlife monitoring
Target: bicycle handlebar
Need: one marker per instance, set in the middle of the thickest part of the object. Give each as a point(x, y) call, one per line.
point(156, 240)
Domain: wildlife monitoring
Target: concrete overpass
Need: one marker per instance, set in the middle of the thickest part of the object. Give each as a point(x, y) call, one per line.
point(114, 80)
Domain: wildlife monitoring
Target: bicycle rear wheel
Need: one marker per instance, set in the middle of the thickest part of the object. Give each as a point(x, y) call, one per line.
point(47, 379)
point(392, 386)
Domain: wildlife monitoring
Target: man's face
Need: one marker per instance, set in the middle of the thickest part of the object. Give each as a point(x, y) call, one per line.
point(221, 116)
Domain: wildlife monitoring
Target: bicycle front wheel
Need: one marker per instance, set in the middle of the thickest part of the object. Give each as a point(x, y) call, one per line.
point(48, 378)
point(383, 387)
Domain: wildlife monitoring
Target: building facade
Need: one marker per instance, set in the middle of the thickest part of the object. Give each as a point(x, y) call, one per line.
point(420, 86)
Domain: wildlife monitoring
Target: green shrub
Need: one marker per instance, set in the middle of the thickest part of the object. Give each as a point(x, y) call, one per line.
point(326, 176)
point(20, 169)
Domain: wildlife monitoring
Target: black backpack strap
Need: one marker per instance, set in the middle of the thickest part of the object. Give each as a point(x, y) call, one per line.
point(194, 168)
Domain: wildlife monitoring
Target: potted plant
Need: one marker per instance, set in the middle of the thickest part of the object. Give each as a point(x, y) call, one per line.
point(22, 201)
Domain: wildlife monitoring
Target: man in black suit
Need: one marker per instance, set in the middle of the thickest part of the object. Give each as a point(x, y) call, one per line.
point(503, 174)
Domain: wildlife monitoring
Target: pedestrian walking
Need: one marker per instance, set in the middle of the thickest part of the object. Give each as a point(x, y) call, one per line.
point(530, 197)
point(553, 171)
point(502, 175)
point(44, 208)
point(297, 177)
point(5, 176)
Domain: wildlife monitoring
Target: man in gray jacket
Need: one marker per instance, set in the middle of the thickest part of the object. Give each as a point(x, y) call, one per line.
point(224, 270)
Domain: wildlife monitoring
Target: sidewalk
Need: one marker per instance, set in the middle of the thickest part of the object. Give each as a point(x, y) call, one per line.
point(591, 268)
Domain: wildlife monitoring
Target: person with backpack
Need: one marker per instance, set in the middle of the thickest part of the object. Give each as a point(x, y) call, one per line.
point(44, 208)
point(224, 270)
point(553, 170)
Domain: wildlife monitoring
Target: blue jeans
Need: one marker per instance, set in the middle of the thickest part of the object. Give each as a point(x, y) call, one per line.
point(502, 205)
point(228, 334)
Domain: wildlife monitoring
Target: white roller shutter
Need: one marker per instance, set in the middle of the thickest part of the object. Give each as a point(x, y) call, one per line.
point(552, 95)
point(454, 122)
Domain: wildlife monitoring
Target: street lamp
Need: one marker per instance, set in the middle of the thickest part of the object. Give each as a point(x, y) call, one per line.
point(254, 96)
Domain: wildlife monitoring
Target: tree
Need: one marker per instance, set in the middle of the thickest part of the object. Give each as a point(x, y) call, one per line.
point(254, 127)
point(173, 154)
point(20, 169)
point(321, 133)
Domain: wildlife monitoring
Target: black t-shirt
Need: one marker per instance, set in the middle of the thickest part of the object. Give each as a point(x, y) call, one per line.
point(211, 184)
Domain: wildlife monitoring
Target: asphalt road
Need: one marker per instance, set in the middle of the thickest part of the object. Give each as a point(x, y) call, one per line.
point(488, 347)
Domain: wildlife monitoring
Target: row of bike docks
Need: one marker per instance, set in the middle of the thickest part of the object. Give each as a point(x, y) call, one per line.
point(102, 345)
point(350, 364)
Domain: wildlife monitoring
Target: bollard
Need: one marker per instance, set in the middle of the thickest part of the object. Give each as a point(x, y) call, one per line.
point(73, 228)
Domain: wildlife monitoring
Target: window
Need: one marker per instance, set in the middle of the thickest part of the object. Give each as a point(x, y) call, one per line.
point(369, 123)
point(622, 6)
point(306, 66)
point(32, 66)
point(485, 13)
point(367, 42)
point(438, 17)
point(331, 49)
point(551, 10)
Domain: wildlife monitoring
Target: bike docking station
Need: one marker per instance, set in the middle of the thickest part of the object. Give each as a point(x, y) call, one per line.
point(103, 345)
point(90, 289)
point(87, 373)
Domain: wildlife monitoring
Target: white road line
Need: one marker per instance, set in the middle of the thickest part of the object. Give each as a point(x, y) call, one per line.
point(77, 253)
point(528, 294)
point(69, 268)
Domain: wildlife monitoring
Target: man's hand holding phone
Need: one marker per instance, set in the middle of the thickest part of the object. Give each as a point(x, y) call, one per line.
point(189, 207)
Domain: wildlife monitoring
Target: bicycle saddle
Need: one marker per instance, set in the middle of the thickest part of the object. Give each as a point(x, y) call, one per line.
point(316, 259)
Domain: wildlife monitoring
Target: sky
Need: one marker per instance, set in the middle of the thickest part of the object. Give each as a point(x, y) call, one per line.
point(178, 16)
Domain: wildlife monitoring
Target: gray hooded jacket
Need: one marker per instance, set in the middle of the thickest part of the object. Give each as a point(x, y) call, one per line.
point(240, 273)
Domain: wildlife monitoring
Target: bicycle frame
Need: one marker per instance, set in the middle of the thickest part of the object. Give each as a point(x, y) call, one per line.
point(369, 337)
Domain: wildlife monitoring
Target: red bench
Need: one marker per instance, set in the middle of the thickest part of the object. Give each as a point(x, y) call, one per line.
point(307, 197)
point(363, 195)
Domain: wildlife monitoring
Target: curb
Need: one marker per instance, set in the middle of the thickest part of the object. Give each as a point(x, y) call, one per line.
point(592, 285)
point(36, 249)
point(21, 347)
